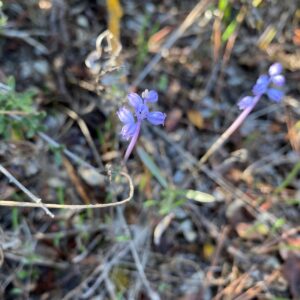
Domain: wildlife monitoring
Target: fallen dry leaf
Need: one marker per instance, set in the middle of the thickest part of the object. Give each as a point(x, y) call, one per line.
point(195, 118)
point(173, 119)
point(289, 246)
point(252, 231)
point(291, 271)
point(157, 39)
point(296, 37)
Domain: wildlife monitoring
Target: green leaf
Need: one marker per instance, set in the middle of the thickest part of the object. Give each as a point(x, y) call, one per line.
point(153, 168)
point(16, 291)
point(163, 82)
point(15, 218)
point(29, 123)
point(11, 82)
point(22, 274)
point(2, 124)
point(150, 203)
point(229, 30)
point(279, 223)
point(122, 238)
point(289, 179)
point(198, 196)
point(222, 5)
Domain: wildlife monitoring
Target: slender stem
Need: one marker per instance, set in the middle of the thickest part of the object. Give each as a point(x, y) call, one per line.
point(71, 206)
point(230, 130)
point(133, 141)
point(16, 112)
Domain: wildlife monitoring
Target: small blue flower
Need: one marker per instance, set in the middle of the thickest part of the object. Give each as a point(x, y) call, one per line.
point(125, 115)
point(127, 118)
point(261, 85)
point(141, 109)
point(150, 96)
point(274, 94)
point(245, 102)
point(278, 80)
point(131, 127)
point(156, 118)
point(275, 69)
point(266, 84)
point(128, 130)
point(135, 100)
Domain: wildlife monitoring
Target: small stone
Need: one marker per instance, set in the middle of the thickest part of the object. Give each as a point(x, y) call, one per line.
point(41, 66)
point(91, 177)
point(83, 21)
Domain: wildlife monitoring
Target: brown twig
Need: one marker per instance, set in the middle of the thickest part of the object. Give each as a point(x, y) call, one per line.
point(76, 181)
point(151, 293)
point(72, 206)
point(17, 112)
point(82, 125)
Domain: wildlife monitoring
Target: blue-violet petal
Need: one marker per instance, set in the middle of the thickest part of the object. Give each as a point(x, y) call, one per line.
point(150, 96)
point(275, 69)
point(261, 85)
point(142, 111)
point(278, 80)
point(128, 130)
point(135, 100)
point(156, 118)
point(245, 102)
point(125, 115)
point(275, 95)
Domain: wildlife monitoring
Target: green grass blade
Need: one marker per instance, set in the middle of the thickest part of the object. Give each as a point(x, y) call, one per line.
point(153, 168)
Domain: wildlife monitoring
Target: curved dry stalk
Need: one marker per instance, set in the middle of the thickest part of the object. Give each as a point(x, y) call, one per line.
point(17, 183)
point(79, 161)
point(73, 206)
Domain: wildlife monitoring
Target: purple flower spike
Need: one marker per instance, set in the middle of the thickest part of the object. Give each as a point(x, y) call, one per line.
point(131, 129)
point(150, 96)
point(275, 69)
point(135, 100)
point(245, 102)
point(266, 84)
point(275, 95)
point(261, 85)
point(156, 118)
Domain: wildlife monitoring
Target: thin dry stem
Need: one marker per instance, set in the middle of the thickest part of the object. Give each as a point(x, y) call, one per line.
point(72, 206)
point(45, 206)
point(38, 201)
point(16, 112)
